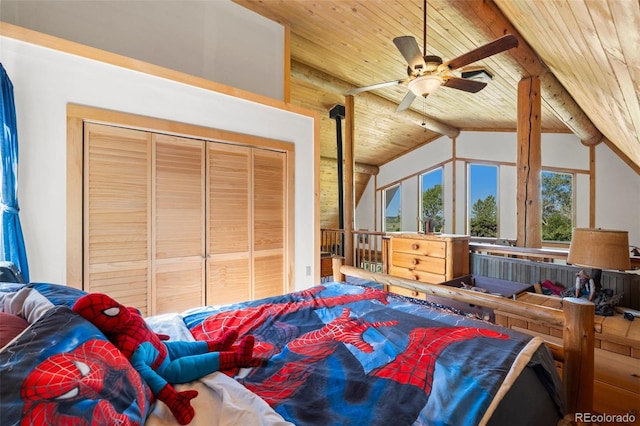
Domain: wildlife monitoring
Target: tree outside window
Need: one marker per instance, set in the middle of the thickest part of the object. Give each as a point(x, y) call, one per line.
point(432, 201)
point(483, 190)
point(557, 206)
point(392, 211)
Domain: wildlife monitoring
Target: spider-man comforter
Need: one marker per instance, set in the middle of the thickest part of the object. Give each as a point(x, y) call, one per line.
point(340, 354)
point(337, 354)
point(62, 370)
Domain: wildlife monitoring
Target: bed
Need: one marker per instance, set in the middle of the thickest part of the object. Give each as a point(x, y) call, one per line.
point(340, 353)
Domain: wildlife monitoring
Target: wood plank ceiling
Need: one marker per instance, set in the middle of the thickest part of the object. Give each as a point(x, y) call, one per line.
point(585, 53)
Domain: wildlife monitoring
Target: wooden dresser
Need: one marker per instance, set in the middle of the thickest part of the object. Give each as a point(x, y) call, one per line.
point(430, 258)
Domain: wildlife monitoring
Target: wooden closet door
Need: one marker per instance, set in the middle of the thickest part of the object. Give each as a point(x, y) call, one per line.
point(229, 224)
point(269, 201)
point(178, 223)
point(117, 213)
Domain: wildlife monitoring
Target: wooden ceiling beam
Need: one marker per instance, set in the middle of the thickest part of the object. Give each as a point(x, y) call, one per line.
point(554, 94)
point(332, 84)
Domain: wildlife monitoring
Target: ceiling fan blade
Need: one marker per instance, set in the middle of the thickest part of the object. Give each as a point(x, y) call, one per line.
point(472, 86)
point(406, 101)
point(408, 46)
point(373, 86)
point(498, 45)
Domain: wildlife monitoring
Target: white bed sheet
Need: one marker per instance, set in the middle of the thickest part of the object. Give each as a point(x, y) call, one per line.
point(221, 400)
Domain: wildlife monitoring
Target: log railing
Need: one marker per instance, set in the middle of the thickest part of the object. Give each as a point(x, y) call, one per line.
point(370, 251)
point(369, 248)
point(332, 242)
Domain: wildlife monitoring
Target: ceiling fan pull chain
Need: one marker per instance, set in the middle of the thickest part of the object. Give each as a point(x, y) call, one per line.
point(424, 113)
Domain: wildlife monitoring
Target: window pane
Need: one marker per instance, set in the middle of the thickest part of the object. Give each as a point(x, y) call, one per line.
point(431, 200)
point(392, 214)
point(483, 200)
point(557, 206)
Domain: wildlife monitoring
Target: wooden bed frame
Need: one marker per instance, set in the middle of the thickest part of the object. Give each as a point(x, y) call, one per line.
point(576, 355)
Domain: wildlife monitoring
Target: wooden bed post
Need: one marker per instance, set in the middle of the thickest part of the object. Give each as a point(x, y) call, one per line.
point(579, 340)
point(336, 264)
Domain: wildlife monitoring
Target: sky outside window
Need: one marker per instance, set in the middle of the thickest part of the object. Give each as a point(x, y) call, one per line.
point(483, 181)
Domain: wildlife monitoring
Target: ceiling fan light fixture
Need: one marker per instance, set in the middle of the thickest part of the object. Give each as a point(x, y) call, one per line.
point(425, 85)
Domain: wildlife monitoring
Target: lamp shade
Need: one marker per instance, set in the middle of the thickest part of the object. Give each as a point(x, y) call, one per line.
point(425, 84)
point(599, 249)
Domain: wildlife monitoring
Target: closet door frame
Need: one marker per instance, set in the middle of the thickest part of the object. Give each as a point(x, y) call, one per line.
point(77, 115)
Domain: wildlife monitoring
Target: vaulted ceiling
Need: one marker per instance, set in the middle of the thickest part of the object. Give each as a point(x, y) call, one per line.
point(585, 53)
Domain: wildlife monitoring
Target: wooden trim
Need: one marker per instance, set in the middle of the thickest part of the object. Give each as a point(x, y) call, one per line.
point(454, 186)
point(159, 125)
point(75, 136)
point(316, 197)
point(151, 260)
point(375, 203)
point(290, 208)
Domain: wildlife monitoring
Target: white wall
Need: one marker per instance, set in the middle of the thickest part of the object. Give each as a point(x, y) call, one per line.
point(218, 40)
point(617, 185)
point(46, 80)
point(617, 194)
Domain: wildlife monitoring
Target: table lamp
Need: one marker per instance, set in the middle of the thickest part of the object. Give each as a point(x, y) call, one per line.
point(599, 249)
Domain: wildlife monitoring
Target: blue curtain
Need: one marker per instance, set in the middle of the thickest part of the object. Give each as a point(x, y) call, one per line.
point(12, 245)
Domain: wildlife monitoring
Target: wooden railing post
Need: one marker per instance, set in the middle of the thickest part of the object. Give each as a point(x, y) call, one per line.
point(579, 355)
point(385, 255)
point(336, 264)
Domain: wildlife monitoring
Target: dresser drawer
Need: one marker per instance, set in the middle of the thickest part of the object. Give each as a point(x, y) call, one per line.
point(419, 247)
point(406, 292)
point(426, 277)
point(435, 265)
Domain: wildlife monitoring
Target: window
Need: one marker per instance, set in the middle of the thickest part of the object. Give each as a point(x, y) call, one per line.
point(556, 192)
point(392, 211)
point(483, 200)
point(431, 202)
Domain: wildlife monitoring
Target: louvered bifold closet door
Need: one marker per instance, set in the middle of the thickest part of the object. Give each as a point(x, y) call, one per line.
point(178, 223)
point(269, 201)
point(117, 223)
point(229, 237)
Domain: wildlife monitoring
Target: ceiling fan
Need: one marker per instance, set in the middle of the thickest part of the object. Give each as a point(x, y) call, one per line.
point(426, 73)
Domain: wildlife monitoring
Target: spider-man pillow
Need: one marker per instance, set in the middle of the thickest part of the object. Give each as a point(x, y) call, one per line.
point(62, 370)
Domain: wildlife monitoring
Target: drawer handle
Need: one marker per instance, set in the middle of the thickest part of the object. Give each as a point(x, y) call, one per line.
point(414, 293)
point(414, 261)
point(415, 277)
point(415, 246)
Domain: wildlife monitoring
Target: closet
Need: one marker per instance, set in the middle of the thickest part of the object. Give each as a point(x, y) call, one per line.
point(172, 222)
